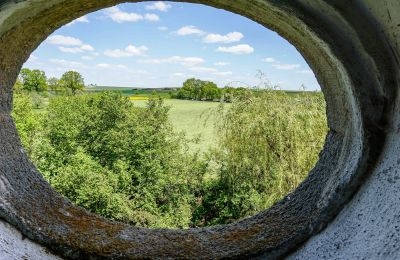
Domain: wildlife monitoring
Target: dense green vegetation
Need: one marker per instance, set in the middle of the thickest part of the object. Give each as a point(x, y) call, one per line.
point(72, 80)
point(128, 163)
point(36, 81)
point(110, 157)
point(267, 143)
point(196, 89)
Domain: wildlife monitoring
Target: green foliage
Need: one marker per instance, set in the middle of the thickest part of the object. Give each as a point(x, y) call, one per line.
point(267, 143)
point(93, 187)
point(28, 123)
point(53, 84)
point(196, 89)
point(33, 80)
point(127, 163)
point(114, 159)
point(230, 94)
point(72, 80)
point(18, 87)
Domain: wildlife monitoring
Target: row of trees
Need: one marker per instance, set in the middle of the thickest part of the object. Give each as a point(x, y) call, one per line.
point(36, 80)
point(128, 164)
point(196, 89)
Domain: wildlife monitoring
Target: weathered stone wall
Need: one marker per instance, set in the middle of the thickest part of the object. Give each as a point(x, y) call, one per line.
point(348, 207)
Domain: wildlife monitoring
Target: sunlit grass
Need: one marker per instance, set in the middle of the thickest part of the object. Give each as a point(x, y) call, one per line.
point(195, 118)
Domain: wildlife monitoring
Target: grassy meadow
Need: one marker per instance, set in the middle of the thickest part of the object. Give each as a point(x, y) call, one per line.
point(195, 118)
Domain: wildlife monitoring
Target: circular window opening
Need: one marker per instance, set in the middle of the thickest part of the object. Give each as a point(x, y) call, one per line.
point(243, 146)
point(353, 143)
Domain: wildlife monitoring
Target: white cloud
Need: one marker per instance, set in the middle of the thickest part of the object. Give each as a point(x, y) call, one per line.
point(63, 40)
point(142, 72)
point(285, 66)
point(203, 69)
point(282, 66)
point(68, 65)
point(223, 73)
point(129, 51)
point(178, 75)
point(70, 50)
point(82, 19)
point(120, 16)
point(69, 44)
point(189, 30)
point(86, 57)
point(152, 17)
point(237, 49)
point(82, 48)
point(227, 38)
point(159, 6)
point(221, 63)
point(309, 72)
point(87, 47)
point(269, 60)
point(186, 61)
point(120, 66)
point(162, 28)
point(103, 65)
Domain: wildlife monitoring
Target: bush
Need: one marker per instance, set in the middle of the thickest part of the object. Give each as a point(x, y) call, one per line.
point(267, 143)
point(114, 159)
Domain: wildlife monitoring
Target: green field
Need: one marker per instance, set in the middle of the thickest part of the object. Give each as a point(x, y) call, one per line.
point(195, 118)
point(137, 92)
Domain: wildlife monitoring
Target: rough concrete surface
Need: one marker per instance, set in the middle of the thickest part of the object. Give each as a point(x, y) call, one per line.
point(14, 245)
point(347, 208)
point(369, 226)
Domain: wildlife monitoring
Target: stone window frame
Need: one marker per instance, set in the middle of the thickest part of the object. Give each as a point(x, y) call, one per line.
point(359, 82)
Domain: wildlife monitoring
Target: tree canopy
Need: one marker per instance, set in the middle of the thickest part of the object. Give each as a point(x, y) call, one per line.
point(196, 89)
point(72, 80)
point(53, 83)
point(33, 80)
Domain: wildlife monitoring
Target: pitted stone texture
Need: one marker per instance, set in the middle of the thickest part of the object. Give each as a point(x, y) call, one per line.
point(15, 246)
point(352, 48)
point(369, 226)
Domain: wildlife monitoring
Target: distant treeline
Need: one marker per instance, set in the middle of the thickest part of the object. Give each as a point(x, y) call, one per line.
point(36, 81)
point(196, 89)
point(192, 89)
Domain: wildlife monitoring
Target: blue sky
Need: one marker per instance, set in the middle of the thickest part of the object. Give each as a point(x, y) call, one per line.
point(161, 44)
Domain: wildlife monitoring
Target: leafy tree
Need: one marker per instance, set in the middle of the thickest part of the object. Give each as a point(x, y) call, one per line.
point(267, 143)
point(209, 91)
point(28, 123)
point(117, 160)
point(53, 84)
point(196, 89)
point(93, 187)
point(33, 80)
point(72, 80)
